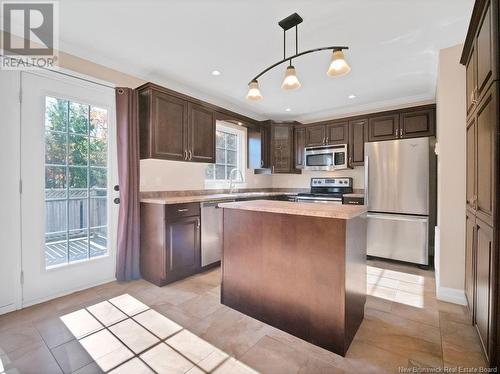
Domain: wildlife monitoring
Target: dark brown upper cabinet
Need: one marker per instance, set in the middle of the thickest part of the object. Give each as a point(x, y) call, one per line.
point(383, 127)
point(201, 134)
point(480, 55)
point(337, 133)
point(487, 49)
point(486, 123)
point(405, 123)
point(358, 133)
point(282, 157)
point(174, 126)
point(326, 134)
point(471, 80)
point(163, 125)
point(315, 135)
point(418, 123)
point(299, 144)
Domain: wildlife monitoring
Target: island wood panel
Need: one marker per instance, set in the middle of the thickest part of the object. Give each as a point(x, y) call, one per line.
point(289, 271)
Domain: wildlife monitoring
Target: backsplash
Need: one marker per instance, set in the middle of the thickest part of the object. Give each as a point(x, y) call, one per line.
point(304, 180)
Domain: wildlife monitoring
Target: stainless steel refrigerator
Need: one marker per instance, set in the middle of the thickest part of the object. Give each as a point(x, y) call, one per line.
point(397, 189)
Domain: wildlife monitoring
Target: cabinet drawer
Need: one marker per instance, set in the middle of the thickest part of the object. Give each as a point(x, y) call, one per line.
point(182, 210)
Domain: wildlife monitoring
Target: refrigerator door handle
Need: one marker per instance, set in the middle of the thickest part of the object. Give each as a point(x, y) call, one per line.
point(398, 217)
point(366, 180)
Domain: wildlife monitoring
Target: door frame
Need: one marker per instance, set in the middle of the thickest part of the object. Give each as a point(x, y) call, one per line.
point(66, 77)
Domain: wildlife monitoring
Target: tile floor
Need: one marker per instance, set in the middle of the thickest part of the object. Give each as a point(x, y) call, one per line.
point(136, 327)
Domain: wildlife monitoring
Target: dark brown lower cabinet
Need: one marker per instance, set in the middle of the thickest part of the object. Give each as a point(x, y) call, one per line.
point(485, 287)
point(470, 258)
point(170, 242)
point(183, 246)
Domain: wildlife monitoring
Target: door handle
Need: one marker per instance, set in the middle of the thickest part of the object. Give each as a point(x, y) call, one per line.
point(116, 187)
point(116, 200)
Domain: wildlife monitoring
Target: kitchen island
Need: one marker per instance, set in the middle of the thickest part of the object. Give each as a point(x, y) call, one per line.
point(300, 267)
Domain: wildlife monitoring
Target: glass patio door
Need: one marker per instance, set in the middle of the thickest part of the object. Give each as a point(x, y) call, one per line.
point(68, 162)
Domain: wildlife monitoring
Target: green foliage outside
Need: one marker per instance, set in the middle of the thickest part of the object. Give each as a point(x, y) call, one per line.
point(76, 135)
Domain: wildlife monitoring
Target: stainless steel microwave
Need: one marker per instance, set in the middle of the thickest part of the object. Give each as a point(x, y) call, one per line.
point(330, 157)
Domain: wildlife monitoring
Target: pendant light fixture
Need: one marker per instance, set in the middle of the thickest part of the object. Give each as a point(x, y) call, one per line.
point(338, 65)
point(254, 91)
point(291, 81)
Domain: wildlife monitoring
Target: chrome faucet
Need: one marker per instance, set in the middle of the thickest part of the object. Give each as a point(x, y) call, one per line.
point(231, 178)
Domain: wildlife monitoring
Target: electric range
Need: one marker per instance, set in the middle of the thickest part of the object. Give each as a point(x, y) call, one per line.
point(326, 190)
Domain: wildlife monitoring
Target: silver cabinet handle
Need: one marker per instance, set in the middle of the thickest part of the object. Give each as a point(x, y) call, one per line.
point(326, 142)
point(261, 163)
point(190, 155)
point(182, 210)
point(400, 133)
point(185, 155)
point(396, 133)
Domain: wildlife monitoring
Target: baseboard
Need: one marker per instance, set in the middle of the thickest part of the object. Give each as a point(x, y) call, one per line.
point(67, 292)
point(7, 308)
point(451, 295)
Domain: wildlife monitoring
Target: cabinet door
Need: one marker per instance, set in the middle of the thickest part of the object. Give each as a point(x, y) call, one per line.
point(281, 149)
point(266, 146)
point(169, 121)
point(299, 145)
point(470, 162)
point(183, 246)
point(201, 134)
point(337, 133)
point(486, 51)
point(254, 148)
point(357, 138)
point(417, 123)
point(315, 135)
point(485, 279)
point(471, 80)
point(487, 122)
point(385, 127)
point(470, 259)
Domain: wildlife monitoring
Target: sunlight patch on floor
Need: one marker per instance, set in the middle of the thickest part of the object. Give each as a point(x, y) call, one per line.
point(396, 286)
point(123, 335)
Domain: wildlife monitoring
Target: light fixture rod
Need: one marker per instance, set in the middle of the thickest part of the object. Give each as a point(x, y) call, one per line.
point(295, 56)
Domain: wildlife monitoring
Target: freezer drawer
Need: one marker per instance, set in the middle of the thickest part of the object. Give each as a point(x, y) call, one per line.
point(398, 237)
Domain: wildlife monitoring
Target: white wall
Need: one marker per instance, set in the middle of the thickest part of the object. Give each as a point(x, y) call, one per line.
point(10, 214)
point(451, 122)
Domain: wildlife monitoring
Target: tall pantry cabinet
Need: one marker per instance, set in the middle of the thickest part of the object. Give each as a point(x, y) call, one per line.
point(480, 57)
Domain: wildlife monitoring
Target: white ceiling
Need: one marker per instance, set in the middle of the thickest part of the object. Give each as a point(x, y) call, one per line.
point(394, 46)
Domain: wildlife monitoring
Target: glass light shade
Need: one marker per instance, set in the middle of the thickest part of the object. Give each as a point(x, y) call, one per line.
point(338, 66)
point(254, 91)
point(291, 81)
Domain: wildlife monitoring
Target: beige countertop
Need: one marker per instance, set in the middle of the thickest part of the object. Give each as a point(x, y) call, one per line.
point(204, 198)
point(300, 209)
